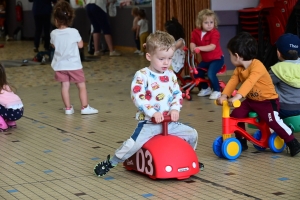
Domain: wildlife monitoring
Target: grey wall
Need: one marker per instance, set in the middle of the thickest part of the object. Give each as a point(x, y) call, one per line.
point(228, 29)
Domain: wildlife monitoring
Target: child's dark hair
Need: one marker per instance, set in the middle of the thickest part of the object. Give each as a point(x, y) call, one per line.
point(142, 13)
point(290, 55)
point(63, 14)
point(174, 28)
point(243, 44)
point(3, 79)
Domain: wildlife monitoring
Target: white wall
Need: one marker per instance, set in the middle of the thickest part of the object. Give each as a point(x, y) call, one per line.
point(232, 4)
point(26, 4)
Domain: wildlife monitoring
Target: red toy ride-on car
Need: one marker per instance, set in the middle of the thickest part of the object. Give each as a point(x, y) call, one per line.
point(164, 156)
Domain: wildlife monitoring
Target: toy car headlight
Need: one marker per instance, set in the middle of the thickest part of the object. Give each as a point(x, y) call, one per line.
point(168, 168)
point(194, 165)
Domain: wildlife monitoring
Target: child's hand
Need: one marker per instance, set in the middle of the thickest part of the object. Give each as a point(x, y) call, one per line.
point(221, 99)
point(174, 115)
point(158, 117)
point(196, 50)
point(233, 99)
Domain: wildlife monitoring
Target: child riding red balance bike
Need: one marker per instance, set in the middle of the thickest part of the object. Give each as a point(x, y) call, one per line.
point(230, 148)
point(164, 156)
point(194, 82)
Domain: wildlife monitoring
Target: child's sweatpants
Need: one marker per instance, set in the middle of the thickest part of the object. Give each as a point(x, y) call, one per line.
point(266, 110)
point(145, 130)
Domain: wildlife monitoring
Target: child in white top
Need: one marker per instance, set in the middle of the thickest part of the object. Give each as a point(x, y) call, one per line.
point(156, 93)
point(66, 61)
point(142, 30)
point(11, 106)
point(174, 28)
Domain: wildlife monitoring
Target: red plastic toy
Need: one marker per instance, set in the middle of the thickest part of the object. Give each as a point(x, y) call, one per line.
point(230, 148)
point(193, 82)
point(164, 156)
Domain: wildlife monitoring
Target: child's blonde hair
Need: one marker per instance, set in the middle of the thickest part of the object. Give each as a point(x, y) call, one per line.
point(203, 14)
point(159, 40)
point(135, 11)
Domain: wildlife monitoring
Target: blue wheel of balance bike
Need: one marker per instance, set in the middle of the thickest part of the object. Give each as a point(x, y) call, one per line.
point(217, 146)
point(276, 144)
point(257, 135)
point(231, 148)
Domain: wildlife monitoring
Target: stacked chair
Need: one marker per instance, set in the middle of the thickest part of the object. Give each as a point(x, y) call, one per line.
point(266, 23)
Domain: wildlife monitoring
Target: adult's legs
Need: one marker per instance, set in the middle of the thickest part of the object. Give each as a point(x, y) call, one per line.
point(46, 29)
point(96, 38)
point(38, 30)
point(82, 94)
point(100, 21)
point(108, 40)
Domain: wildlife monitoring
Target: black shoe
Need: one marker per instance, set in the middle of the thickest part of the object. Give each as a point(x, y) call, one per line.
point(201, 166)
point(102, 168)
point(294, 147)
point(243, 143)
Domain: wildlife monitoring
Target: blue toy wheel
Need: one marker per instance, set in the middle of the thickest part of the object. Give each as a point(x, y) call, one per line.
point(257, 135)
point(276, 144)
point(231, 148)
point(217, 146)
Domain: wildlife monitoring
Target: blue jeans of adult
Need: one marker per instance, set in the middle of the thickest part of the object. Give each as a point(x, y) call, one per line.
point(212, 69)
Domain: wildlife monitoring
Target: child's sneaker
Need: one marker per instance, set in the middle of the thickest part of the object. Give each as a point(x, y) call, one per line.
point(11, 124)
point(89, 110)
point(294, 147)
point(215, 95)
point(103, 167)
point(69, 111)
point(97, 53)
point(137, 51)
point(243, 142)
point(204, 92)
point(201, 166)
point(114, 53)
point(3, 125)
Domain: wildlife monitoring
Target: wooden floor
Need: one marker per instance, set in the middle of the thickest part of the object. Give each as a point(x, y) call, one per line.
point(51, 155)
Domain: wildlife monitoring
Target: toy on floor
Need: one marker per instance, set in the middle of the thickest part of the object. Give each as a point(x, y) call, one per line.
point(230, 147)
point(193, 82)
point(293, 122)
point(164, 156)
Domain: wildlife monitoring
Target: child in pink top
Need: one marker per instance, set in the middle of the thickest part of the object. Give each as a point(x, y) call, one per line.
point(11, 106)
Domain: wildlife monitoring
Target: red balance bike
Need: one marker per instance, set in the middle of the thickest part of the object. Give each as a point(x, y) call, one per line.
point(194, 82)
point(164, 156)
point(229, 147)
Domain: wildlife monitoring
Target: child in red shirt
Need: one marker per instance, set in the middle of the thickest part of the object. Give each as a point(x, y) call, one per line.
point(206, 38)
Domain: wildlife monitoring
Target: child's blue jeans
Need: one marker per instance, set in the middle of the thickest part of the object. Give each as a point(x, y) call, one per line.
point(213, 68)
